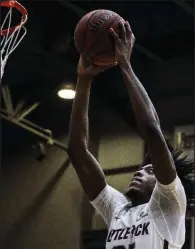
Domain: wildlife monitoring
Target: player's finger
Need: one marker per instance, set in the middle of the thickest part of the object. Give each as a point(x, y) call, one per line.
point(93, 69)
point(84, 61)
point(122, 32)
point(128, 30)
point(114, 35)
point(108, 66)
point(89, 70)
point(132, 40)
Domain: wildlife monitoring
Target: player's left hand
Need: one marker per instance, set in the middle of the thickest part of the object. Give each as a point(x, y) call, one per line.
point(123, 43)
point(84, 68)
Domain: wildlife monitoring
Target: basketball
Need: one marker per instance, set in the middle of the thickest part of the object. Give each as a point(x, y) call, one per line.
point(92, 36)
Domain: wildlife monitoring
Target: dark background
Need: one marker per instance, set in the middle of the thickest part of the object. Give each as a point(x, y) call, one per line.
point(162, 59)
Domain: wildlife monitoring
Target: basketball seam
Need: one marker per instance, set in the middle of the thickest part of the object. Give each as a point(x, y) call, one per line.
point(86, 29)
point(102, 52)
point(98, 38)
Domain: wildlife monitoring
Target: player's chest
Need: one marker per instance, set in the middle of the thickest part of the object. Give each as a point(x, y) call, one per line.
point(130, 232)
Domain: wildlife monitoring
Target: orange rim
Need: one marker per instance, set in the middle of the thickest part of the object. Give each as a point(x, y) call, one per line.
point(21, 9)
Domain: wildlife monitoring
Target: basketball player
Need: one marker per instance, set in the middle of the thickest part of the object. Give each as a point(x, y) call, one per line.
point(152, 213)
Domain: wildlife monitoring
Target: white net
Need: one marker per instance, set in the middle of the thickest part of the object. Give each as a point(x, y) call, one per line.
point(10, 41)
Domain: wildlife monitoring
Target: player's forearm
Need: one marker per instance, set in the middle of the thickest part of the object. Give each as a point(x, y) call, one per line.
point(78, 128)
point(143, 108)
point(149, 125)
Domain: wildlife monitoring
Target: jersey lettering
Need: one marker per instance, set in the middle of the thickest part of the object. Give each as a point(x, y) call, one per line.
point(129, 232)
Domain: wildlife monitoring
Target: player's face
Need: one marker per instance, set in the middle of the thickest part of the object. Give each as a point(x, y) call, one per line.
point(143, 182)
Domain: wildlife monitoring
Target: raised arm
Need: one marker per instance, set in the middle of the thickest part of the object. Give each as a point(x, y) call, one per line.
point(144, 110)
point(87, 168)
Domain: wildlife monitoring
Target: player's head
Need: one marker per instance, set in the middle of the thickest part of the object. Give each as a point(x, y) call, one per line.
point(142, 184)
point(141, 189)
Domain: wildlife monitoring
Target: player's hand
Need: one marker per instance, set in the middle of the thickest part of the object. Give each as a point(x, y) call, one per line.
point(86, 69)
point(124, 43)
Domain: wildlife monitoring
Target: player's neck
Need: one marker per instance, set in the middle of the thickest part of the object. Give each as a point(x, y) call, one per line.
point(136, 202)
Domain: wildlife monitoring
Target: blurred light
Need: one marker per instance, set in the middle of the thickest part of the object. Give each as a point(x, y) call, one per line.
point(67, 92)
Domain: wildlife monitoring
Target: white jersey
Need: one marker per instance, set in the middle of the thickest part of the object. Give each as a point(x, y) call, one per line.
point(158, 224)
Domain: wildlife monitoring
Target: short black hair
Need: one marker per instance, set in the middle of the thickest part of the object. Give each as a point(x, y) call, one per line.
point(185, 171)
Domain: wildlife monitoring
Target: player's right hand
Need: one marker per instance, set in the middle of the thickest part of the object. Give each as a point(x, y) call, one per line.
point(123, 42)
point(84, 68)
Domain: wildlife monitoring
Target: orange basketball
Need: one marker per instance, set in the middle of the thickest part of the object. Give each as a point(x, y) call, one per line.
point(92, 35)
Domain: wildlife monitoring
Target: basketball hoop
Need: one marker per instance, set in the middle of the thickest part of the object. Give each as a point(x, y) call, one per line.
point(11, 35)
